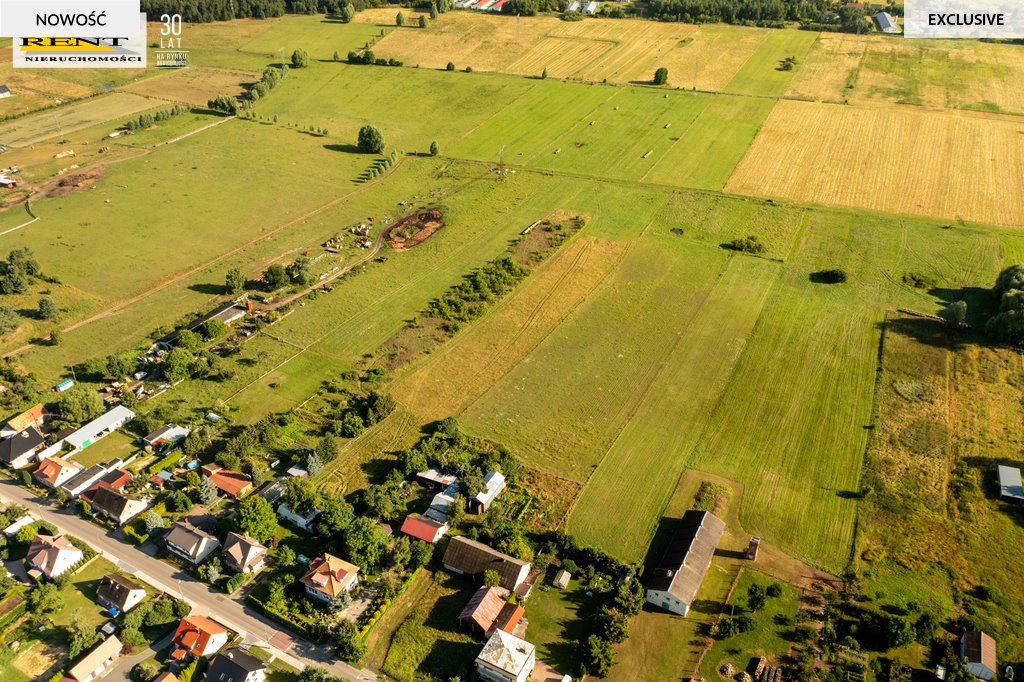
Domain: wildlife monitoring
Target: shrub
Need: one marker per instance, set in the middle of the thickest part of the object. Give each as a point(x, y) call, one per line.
point(751, 244)
point(450, 67)
point(830, 276)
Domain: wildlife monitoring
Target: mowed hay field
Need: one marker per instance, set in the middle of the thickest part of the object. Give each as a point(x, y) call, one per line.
point(672, 137)
point(28, 130)
point(714, 57)
point(196, 85)
point(863, 69)
point(948, 165)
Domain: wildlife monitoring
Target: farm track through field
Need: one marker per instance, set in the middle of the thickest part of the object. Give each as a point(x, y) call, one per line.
point(174, 279)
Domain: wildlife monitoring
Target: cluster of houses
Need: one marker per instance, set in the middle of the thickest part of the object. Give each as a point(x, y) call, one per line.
point(431, 525)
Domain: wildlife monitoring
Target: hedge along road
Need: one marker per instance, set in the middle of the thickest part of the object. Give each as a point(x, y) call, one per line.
point(230, 611)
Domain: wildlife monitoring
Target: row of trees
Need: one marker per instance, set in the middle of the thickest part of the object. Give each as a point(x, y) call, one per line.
point(146, 120)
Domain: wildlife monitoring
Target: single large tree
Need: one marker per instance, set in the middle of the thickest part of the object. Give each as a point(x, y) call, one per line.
point(661, 76)
point(276, 277)
point(255, 518)
point(79, 404)
point(370, 140)
point(235, 281)
point(300, 58)
point(348, 13)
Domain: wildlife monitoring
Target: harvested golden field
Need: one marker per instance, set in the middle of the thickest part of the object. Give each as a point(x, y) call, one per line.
point(956, 74)
point(463, 371)
point(196, 85)
point(950, 165)
point(620, 51)
point(485, 42)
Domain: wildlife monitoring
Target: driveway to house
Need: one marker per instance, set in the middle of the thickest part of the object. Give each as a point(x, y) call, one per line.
point(229, 611)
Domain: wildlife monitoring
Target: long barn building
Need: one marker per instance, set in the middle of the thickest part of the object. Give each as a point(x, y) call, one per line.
point(674, 584)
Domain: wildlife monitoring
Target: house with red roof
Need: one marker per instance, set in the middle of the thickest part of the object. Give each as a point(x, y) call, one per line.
point(54, 472)
point(420, 527)
point(489, 610)
point(198, 636)
point(231, 483)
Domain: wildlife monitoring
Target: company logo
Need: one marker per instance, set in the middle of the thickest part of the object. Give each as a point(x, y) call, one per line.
point(116, 52)
point(171, 54)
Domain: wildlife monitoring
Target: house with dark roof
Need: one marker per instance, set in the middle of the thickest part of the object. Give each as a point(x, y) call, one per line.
point(5, 91)
point(19, 451)
point(190, 543)
point(84, 480)
point(234, 665)
point(489, 610)
point(118, 592)
point(117, 506)
point(329, 576)
point(978, 652)
point(423, 528)
point(470, 557)
point(243, 554)
point(674, 584)
point(197, 636)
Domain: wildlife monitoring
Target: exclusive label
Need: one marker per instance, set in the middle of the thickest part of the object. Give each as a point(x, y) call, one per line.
point(963, 19)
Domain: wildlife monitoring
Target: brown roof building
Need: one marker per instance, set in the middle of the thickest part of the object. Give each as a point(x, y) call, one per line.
point(232, 483)
point(674, 584)
point(473, 558)
point(329, 576)
point(489, 610)
point(979, 653)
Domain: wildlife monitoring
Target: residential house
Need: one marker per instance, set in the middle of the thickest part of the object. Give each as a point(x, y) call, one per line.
point(489, 610)
point(423, 528)
point(470, 557)
point(5, 91)
point(19, 451)
point(98, 428)
point(97, 662)
point(190, 543)
point(243, 554)
point(978, 652)
point(1011, 488)
point(53, 555)
point(234, 665)
point(886, 23)
point(304, 522)
point(506, 658)
point(117, 506)
point(231, 483)
point(197, 636)
point(168, 433)
point(329, 576)
point(84, 480)
point(494, 484)
point(120, 593)
point(54, 472)
point(34, 416)
point(674, 584)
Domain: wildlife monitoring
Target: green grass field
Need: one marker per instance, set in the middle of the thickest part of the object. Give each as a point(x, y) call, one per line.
point(760, 74)
point(35, 128)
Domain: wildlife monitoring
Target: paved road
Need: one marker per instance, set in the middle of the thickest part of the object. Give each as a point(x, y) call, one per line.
point(232, 612)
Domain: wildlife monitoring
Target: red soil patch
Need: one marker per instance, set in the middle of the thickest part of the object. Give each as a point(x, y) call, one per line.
point(414, 229)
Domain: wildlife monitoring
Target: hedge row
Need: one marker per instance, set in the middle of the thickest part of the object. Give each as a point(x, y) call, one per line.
point(285, 619)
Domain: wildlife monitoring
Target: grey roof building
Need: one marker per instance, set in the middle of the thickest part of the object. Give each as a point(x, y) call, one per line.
point(674, 584)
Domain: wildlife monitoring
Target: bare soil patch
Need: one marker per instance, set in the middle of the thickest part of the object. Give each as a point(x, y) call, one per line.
point(74, 182)
point(414, 229)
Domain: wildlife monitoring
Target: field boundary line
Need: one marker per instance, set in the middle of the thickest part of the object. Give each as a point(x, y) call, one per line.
point(8, 231)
